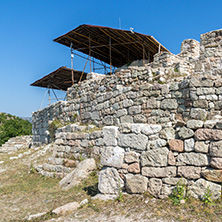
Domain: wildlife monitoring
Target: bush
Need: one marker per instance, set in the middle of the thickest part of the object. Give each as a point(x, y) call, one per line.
point(11, 126)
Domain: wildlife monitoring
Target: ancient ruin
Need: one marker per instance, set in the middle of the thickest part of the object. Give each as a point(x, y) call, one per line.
point(151, 124)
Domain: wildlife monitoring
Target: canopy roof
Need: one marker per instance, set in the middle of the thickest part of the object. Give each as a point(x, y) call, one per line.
point(126, 46)
point(60, 79)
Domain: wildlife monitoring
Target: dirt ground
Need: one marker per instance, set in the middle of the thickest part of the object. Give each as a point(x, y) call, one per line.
point(24, 192)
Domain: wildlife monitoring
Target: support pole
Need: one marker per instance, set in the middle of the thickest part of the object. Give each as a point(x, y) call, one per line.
point(90, 54)
point(159, 49)
point(49, 96)
point(110, 55)
point(72, 56)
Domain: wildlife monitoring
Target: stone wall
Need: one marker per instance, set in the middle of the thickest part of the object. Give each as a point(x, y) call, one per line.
point(151, 125)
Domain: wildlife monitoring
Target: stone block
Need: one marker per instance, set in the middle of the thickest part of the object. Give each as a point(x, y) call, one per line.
point(174, 181)
point(135, 141)
point(136, 183)
point(210, 124)
point(131, 157)
point(134, 168)
point(171, 159)
point(212, 175)
point(189, 145)
point(134, 110)
point(208, 134)
point(159, 172)
point(167, 133)
point(176, 145)
point(194, 124)
point(193, 159)
point(155, 186)
point(110, 134)
point(201, 147)
point(198, 189)
point(216, 162)
point(126, 119)
point(156, 157)
point(216, 149)
point(109, 181)
point(185, 133)
point(112, 156)
point(150, 129)
point(189, 172)
point(168, 104)
point(198, 114)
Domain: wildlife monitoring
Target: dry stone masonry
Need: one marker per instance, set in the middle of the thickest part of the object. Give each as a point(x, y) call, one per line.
point(151, 126)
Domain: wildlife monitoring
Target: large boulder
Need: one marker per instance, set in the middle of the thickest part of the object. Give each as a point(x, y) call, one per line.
point(80, 173)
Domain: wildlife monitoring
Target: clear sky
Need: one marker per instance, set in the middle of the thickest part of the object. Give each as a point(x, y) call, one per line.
point(27, 28)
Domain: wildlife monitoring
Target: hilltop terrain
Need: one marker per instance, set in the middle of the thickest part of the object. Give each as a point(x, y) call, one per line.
point(11, 126)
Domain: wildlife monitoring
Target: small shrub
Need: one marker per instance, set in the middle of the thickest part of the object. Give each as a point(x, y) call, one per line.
point(53, 126)
point(120, 195)
point(179, 193)
point(207, 198)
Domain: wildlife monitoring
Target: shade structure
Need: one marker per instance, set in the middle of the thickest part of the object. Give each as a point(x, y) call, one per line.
point(112, 46)
point(60, 79)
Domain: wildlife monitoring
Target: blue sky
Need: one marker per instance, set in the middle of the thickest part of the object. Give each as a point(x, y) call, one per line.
point(28, 27)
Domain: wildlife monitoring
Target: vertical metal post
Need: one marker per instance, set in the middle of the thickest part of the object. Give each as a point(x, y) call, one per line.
point(49, 96)
point(110, 55)
point(143, 56)
point(159, 49)
point(90, 53)
point(72, 56)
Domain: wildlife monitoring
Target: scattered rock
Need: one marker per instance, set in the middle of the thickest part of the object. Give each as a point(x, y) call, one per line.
point(67, 208)
point(80, 173)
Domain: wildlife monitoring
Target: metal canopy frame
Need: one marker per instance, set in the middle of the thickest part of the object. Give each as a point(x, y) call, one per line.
point(112, 46)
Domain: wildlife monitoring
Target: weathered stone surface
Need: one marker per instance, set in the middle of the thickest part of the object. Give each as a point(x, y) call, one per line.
point(112, 156)
point(174, 180)
point(216, 149)
point(194, 159)
point(109, 181)
point(110, 134)
point(167, 133)
point(155, 186)
point(80, 173)
point(210, 123)
point(194, 124)
point(201, 147)
point(216, 162)
point(197, 189)
point(212, 175)
point(208, 134)
point(67, 208)
point(159, 172)
point(136, 183)
point(69, 163)
point(166, 191)
point(151, 129)
point(185, 133)
point(126, 119)
point(157, 143)
point(171, 159)
point(189, 145)
point(156, 157)
point(168, 104)
point(176, 145)
point(131, 157)
point(134, 110)
point(135, 141)
point(199, 114)
point(189, 172)
point(134, 168)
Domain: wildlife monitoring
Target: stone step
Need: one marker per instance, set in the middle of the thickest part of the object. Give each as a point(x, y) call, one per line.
point(56, 168)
